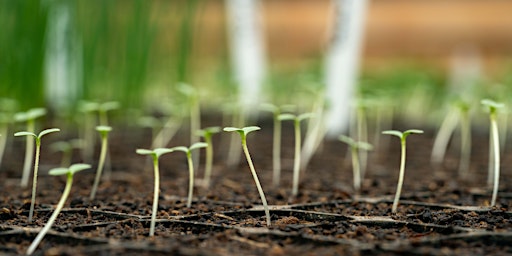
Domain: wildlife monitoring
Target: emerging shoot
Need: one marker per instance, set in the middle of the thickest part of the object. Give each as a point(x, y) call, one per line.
point(103, 130)
point(103, 108)
point(69, 172)
point(66, 147)
point(36, 163)
point(30, 116)
point(188, 151)
point(296, 163)
point(402, 136)
point(243, 136)
point(155, 154)
point(276, 144)
point(355, 146)
point(207, 133)
point(494, 145)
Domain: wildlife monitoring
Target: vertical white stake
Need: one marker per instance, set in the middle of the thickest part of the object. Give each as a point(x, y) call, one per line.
point(342, 63)
point(247, 49)
point(63, 58)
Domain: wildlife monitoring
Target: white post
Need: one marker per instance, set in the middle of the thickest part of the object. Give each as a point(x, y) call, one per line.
point(342, 63)
point(63, 58)
point(247, 49)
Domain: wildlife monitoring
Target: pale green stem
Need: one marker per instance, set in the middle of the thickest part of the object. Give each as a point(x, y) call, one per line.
point(50, 222)
point(103, 154)
point(465, 153)
point(155, 196)
point(209, 160)
point(234, 153)
point(190, 178)
point(195, 125)
point(400, 178)
point(494, 127)
point(276, 152)
point(355, 167)
point(3, 140)
point(88, 141)
point(490, 170)
point(362, 135)
point(29, 155)
point(296, 163)
point(34, 180)
point(256, 180)
point(443, 137)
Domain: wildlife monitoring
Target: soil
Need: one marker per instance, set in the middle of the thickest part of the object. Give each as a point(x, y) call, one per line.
point(438, 214)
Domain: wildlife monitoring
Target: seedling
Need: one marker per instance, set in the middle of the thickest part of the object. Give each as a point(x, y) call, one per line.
point(402, 136)
point(66, 147)
point(494, 145)
point(103, 130)
point(30, 116)
point(296, 163)
point(188, 151)
point(5, 120)
point(151, 122)
point(155, 154)
point(36, 163)
point(207, 133)
point(243, 136)
point(69, 172)
point(276, 144)
point(192, 97)
point(355, 146)
point(89, 122)
point(103, 108)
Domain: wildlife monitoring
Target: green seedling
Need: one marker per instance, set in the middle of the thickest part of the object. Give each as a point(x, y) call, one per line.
point(296, 164)
point(103, 130)
point(192, 96)
point(276, 144)
point(207, 134)
point(5, 120)
point(494, 145)
point(69, 172)
point(30, 116)
point(89, 122)
point(155, 154)
point(66, 147)
point(465, 134)
point(103, 108)
point(188, 151)
point(153, 123)
point(243, 136)
point(36, 163)
point(355, 146)
point(402, 136)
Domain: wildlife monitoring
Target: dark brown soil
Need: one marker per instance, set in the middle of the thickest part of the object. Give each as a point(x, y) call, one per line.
point(439, 214)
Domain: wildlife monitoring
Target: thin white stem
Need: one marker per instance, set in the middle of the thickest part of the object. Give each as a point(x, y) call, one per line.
point(443, 137)
point(496, 145)
point(50, 222)
point(29, 155)
point(155, 196)
point(465, 151)
point(103, 154)
point(490, 170)
point(209, 161)
point(296, 163)
point(256, 180)
point(34, 181)
point(400, 178)
point(3, 140)
point(362, 135)
point(355, 168)
point(190, 179)
point(276, 153)
point(195, 125)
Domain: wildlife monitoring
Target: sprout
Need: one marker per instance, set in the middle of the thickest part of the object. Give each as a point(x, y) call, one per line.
point(355, 146)
point(150, 122)
point(103, 108)
point(494, 145)
point(207, 133)
point(103, 130)
point(89, 122)
point(276, 144)
point(66, 147)
point(29, 117)
point(5, 120)
point(192, 97)
point(296, 164)
point(36, 163)
point(402, 136)
point(243, 136)
point(69, 172)
point(188, 151)
point(155, 154)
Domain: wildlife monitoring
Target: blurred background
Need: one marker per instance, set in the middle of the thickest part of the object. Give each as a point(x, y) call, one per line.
point(135, 51)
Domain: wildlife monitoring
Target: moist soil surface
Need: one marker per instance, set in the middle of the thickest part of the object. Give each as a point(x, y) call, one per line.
point(439, 212)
